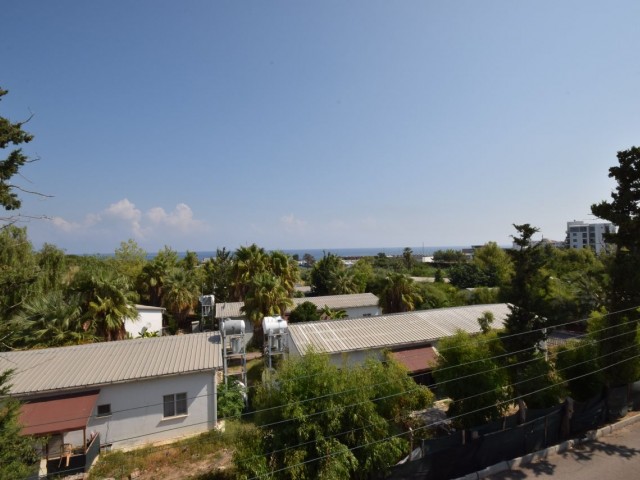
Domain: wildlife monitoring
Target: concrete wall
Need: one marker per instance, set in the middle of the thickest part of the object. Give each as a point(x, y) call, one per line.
point(358, 312)
point(137, 410)
point(150, 318)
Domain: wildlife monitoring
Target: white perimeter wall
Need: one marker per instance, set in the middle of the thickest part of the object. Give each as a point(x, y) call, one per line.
point(152, 319)
point(358, 312)
point(137, 410)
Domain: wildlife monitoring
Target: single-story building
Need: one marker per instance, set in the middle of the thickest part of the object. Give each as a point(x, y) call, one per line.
point(355, 305)
point(411, 336)
point(115, 394)
point(149, 319)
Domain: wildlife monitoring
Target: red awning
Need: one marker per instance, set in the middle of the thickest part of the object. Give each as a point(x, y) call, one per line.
point(58, 414)
point(417, 359)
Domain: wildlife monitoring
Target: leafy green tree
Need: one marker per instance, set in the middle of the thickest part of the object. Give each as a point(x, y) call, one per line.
point(621, 351)
point(468, 275)
point(362, 273)
point(323, 274)
point(577, 364)
point(305, 312)
point(494, 263)
point(11, 133)
point(523, 327)
point(218, 275)
point(18, 269)
point(485, 321)
point(17, 455)
point(440, 295)
point(468, 374)
point(449, 256)
point(130, 259)
point(230, 399)
point(399, 294)
point(328, 421)
point(407, 256)
point(53, 270)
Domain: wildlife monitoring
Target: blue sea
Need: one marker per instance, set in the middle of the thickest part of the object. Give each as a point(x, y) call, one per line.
point(318, 253)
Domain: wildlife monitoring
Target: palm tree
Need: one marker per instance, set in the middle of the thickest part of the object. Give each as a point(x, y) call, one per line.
point(51, 320)
point(399, 294)
point(342, 282)
point(180, 296)
point(328, 313)
point(155, 274)
point(249, 262)
point(407, 256)
point(106, 300)
point(286, 269)
point(265, 297)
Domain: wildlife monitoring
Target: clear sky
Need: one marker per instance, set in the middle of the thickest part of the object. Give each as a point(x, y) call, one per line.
point(326, 124)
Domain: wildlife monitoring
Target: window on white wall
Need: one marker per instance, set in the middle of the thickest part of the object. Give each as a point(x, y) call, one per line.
point(175, 404)
point(104, 410)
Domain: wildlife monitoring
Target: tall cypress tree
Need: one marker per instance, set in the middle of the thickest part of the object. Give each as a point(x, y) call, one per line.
point(619, 348)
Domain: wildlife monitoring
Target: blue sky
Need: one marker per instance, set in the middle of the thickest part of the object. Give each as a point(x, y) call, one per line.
point(202, 124)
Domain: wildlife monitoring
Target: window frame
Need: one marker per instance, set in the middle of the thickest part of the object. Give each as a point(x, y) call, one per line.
point(104, 413)
point(175, 405)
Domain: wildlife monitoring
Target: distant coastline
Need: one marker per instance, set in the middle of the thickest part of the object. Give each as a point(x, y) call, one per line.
point(318, 253)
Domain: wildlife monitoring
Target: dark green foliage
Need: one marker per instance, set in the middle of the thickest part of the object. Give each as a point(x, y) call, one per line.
point(329, 276)
point(469, 275)
point(11, 134)
point(319, 411)
point(399, 294)
point(17, 455)
point(577, 364)
point(523, 330)
point(218, 275)
point(467, 373)
point(449, 256)
point(305, 312)
point(623, 211)
point(230, 399)
point(537, 383)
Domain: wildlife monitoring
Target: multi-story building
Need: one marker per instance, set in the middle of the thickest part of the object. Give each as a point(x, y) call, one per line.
point(588, 235)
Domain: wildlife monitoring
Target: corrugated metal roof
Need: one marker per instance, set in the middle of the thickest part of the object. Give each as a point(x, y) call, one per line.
point(102, 363)
point(353, 300)
point(336, 302)
point(422, 326)
point(229, 309)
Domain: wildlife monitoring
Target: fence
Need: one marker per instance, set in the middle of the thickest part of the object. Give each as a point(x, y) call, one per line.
point(467, 451)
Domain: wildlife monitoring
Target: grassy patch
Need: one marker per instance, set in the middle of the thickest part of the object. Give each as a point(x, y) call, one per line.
point(204, 457)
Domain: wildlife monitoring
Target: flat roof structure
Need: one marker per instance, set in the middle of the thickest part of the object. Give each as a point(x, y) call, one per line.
point(389, 331)
point(91, 365)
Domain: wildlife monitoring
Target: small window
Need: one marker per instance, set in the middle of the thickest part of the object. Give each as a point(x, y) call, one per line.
point(104, 410)
point(175, 404)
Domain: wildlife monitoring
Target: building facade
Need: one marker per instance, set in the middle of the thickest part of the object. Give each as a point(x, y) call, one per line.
point(588, 235)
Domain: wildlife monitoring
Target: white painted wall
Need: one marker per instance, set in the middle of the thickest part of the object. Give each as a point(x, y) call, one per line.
point(358, 312)
point(137, 410)
point(150, 317)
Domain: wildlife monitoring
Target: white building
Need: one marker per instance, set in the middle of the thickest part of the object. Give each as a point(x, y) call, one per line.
point(591, 235)
point(116, 394)
point(149, 319)
point(354, 305)
point(411, 333)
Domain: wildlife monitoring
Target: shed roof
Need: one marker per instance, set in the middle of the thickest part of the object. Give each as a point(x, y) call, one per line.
point(63, 413)
point(95, 364)
point(385, 331)
point(355, 300)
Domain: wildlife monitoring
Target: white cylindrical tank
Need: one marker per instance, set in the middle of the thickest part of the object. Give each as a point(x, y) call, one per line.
point(232, 327)
point(208, 300)
point(274, 325)
point(235, 345)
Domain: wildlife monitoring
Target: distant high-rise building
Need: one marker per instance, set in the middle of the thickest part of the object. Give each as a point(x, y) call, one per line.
point(588, 235)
